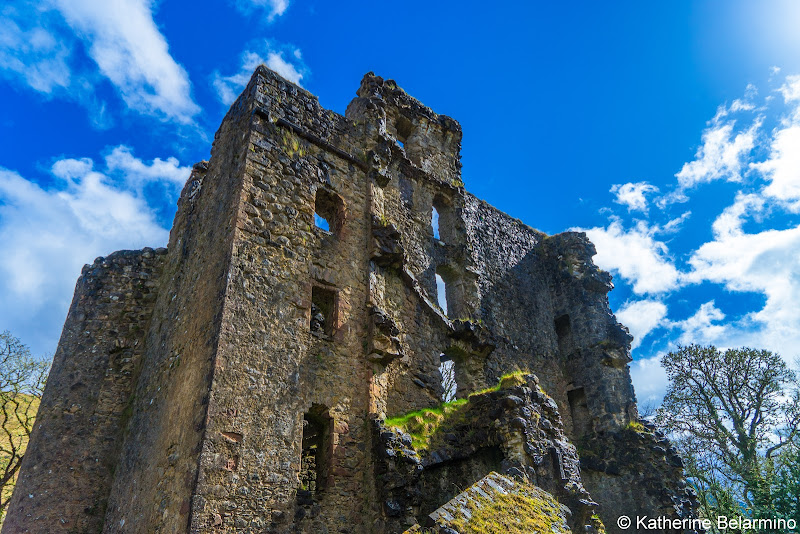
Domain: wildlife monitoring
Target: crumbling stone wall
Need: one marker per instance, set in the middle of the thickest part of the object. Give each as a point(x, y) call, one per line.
point(275, 343)
point(69, 466)
point(515, 429)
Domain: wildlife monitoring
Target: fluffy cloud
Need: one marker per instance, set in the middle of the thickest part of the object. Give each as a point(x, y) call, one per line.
point(641, 317)
point(702, 327)
point(48, 234)
point(765, 262)
point(649, 380)
point(30, 52)
point(721, 156)
point(229, 87)
point(632, 195)
point(783, 167)
point(124, 41)
point(43, 44)
point(635, 255)
point(272, 8)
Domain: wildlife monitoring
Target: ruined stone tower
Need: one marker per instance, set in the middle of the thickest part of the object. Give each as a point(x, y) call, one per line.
point(240, 379)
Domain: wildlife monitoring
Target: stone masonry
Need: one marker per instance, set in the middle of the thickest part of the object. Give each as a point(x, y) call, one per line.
point(239, 380)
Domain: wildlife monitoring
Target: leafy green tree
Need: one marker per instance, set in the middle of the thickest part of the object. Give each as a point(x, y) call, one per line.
point(22, 380)
point(731, 413)
point(785, 487)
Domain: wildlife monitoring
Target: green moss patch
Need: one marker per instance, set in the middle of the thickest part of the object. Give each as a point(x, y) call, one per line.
point(524, 511)
point(423, 424)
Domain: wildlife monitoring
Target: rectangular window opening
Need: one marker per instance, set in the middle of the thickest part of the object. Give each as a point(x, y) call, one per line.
point(447, 369)
point(323, 307)
point(328, 210)
point(441, 293)
point(316, 453)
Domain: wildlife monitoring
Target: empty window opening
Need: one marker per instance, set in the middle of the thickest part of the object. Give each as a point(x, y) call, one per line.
point(323, 306)
point(435, 222)
point(317, 450)
point(403, 128)
point(447, 368)
point(441, 293)
point(319, 222)
point(579, 410)
point(328, 208)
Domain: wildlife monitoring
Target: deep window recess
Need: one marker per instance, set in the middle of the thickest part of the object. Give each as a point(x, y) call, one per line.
point(579, 409)
point(563, 332)
point(323, 307)
point(328, 209)
point(317, 450)
point(447, 368)
point(403, 127)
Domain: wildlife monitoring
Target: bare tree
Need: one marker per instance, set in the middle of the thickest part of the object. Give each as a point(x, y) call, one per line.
point(731, 413)
point(22, 380)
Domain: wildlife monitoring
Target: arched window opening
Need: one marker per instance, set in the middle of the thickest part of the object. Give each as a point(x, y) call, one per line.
point(435, 222)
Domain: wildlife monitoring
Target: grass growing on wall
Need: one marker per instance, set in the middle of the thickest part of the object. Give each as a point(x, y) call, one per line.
point(422, 424)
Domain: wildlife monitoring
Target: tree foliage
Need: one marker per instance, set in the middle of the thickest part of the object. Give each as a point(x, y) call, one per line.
point(22, 380)
point(732, 414)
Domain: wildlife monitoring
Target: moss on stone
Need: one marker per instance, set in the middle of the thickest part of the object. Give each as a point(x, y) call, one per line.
point(512, 513)
point(422, 424)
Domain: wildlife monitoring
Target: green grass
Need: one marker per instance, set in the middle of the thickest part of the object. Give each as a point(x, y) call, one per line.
point(423, 424)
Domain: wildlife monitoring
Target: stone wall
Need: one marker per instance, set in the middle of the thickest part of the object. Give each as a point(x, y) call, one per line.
point(69, 467)
point(277, 341)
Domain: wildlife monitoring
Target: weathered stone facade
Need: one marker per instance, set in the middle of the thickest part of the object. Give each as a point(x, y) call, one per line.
point(238, 380)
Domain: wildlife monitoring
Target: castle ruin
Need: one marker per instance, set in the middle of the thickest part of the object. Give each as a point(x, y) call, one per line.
point(241, 379)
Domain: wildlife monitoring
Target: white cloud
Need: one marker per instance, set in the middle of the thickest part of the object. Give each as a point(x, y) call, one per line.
point(137, 173)
point(30, 52)
point(272, 8)
point(721, 156)
point(48, 234)
point(632, 195)
point(649, 380)
point(229, 87)
point(765, 262)
point(41, 46)
point(782, 168)
point(641, 317)
point(703, 327)
point(791, 89)
point(635, 255)
point(125, 42)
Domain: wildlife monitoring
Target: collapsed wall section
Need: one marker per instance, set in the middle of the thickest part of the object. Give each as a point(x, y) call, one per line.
point(69, 466)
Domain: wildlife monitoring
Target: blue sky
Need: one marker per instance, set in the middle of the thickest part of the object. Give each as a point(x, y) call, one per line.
point(669, 131)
